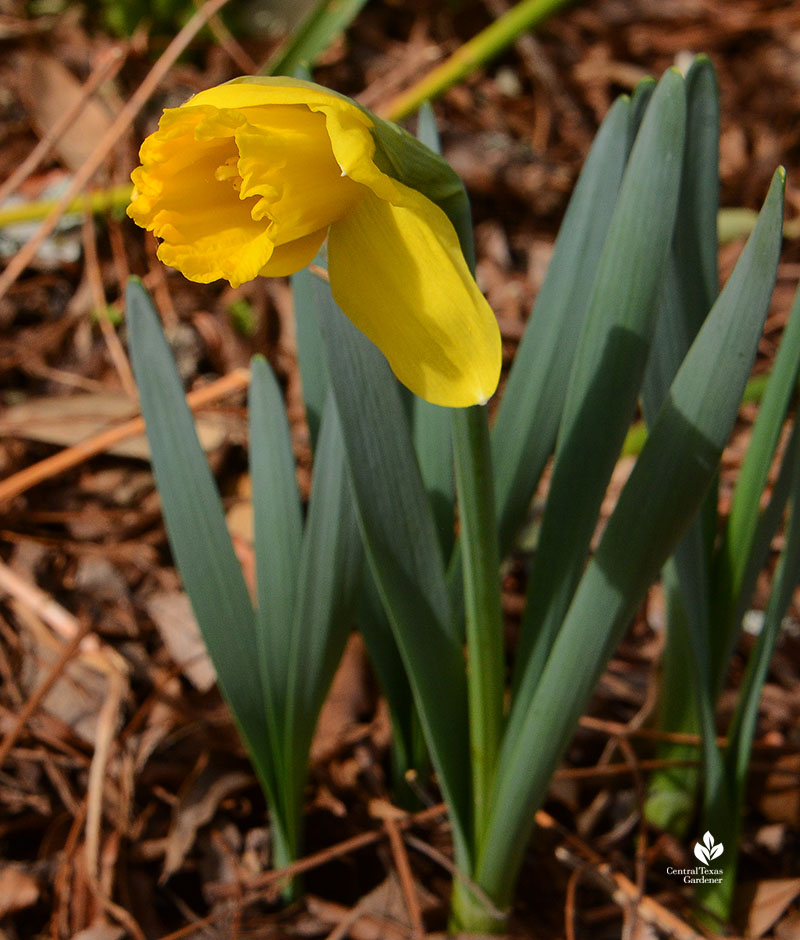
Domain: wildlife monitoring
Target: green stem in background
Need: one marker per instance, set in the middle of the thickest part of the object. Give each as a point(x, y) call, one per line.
point(672, 790)
point(733, 223)
point(475, 53)
point(312, 36)
point(98, 202)
point(484, 622)
point(637, 435)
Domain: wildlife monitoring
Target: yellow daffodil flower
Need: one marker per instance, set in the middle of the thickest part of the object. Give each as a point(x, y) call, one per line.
point(249, 178)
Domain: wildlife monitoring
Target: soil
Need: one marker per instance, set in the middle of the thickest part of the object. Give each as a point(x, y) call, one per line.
point(127, 806)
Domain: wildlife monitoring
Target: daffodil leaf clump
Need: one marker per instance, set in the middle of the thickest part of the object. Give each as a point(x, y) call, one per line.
point(412, 509)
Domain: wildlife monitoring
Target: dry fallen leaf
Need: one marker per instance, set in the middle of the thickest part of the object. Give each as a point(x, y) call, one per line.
point(17, 891)
point(789, 927)
point(48, 89)
point(196, 807)
point(77, 696)
point(765, 902)
point(171, 612)
point(347, 699)
point(69, 419)
point(779, 800)
point(100, 932)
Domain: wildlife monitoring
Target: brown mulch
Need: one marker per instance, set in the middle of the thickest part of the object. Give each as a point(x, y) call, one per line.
point(127, 806)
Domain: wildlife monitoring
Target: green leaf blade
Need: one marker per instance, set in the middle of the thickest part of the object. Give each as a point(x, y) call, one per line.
point(401, 543)
point(197, 530)
point(328, 572)
point(664, 491)
point(607, 370)
point(525, 429)
point(277, 525)
point(326, 20)
point(741, 555)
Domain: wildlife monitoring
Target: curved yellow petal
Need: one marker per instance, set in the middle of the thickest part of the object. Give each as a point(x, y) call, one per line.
point(285, 157)
point(294, 256)
point(399, 275)
point(254, 91)
point(347, 125)
point(182, 196)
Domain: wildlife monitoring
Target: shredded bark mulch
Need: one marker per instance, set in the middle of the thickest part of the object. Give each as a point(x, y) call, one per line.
point(127, 805)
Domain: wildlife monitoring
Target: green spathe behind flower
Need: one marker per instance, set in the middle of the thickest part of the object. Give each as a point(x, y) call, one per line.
point(248, 179)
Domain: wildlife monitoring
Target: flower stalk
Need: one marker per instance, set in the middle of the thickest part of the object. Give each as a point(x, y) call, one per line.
point(484, 619)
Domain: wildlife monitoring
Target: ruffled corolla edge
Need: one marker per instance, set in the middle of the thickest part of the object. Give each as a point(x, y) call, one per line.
point(395, 264)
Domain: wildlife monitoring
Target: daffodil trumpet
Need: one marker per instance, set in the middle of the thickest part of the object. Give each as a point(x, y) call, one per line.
point(249, 178)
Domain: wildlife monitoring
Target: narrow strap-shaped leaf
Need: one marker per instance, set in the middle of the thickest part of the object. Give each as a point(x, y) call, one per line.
point(525, 429)
point(689, 288)
point(664, 491)
point(765, 531)
point(401, 543)
point(427, 128)
point(310, 352)
point(607, 370)
point(639, 102)
point(197, 531)
point(409, 752)
point(434, 448)
point(736, 573)
point(277, 534)
point(690, 283)
point(672, 789)
point(328, 573)
point(431, 424)
point(325, 21)
point(484, 616)
point(786, 579)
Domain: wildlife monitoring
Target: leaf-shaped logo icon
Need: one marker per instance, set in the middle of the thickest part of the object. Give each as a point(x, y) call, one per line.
point(707, 850)
point(701, 853)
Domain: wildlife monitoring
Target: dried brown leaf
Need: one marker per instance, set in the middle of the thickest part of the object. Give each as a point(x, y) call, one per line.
point(196, 808)
point(171, 612)
point(100, 932)
point(17, 891)
point(48, 89)
point(67, 420)
point(766, 900)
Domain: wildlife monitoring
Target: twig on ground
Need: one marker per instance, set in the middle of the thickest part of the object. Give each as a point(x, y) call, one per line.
point(98, 444)
point(569, 901)
point(236, 53)
point(450, 867)
point(106, 728)
point(621, 889)
point(258, 883)
point(352, 922)
point(49, 611)
point(171, 54)
point(403, 867)
point(95, 278)
point(30, 706)
point(108, 66)
point(617, 729)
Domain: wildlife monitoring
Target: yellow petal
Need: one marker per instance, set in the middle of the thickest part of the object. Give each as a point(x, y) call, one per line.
point(398, 273)
point(347, 125)
point(293, 256)
point(285, 157)
point(208, 231)
point(253, 91)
